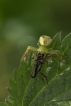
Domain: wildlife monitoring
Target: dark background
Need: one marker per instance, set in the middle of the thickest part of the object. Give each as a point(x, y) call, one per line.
point(21, 24)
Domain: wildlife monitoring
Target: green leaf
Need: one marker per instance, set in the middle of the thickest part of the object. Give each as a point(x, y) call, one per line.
point(2, 104)
point(9, 103)
point(56, 42)
point(66, 42)
point(27, 91)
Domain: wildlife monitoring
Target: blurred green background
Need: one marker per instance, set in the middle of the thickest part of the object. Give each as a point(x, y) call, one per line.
point(21, 24)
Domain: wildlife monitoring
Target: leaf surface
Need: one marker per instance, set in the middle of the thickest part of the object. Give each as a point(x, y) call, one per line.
point(2, 104)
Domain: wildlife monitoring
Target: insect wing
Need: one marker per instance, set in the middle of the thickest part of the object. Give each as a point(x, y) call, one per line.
point(36, 68)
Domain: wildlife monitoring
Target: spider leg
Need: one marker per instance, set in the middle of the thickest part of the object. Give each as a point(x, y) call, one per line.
point(57, 53)
point(27, 50)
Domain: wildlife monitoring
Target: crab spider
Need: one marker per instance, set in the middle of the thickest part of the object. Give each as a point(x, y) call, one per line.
point(43, 44)
point(43, 53)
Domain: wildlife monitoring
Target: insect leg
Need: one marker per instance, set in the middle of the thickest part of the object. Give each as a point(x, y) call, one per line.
point(41, 78)
point(44, 76)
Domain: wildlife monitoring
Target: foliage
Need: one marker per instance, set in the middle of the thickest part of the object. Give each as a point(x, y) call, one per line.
point(25, 91)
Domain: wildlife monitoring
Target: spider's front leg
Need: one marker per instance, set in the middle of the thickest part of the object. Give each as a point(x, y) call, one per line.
point(57, 53)
point(27, 50)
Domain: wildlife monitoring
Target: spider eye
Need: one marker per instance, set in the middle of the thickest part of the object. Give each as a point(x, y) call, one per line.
point(45, 40)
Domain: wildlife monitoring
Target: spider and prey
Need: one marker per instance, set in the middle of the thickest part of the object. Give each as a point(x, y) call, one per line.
point(43, 54)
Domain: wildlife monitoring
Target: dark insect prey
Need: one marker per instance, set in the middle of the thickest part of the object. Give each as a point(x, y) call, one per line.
point(38, 62)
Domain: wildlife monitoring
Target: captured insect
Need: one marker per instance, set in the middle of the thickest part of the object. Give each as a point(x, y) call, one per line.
point(38, 62)
point(43, 54)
